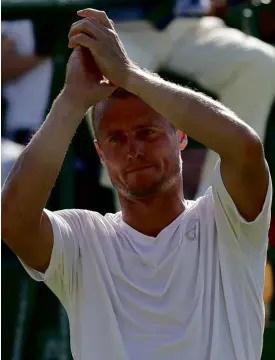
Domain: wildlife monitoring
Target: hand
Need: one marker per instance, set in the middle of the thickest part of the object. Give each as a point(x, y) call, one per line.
point(85, 85)
point(97, 33)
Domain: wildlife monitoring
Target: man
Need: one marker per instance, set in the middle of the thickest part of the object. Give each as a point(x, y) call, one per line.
point(165, 278)
point(237, 67)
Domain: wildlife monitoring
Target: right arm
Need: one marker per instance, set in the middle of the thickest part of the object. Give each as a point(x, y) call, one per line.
point(26, 228)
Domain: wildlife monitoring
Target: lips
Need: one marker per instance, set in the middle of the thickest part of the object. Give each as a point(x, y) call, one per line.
point(138, 169)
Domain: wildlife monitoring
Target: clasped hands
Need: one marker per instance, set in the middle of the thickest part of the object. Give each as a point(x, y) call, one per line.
point(96, 32)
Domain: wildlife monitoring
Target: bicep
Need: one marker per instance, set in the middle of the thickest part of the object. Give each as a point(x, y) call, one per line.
point(247, 186)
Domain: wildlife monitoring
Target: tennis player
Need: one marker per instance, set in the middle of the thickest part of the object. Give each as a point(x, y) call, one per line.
point(165, 278)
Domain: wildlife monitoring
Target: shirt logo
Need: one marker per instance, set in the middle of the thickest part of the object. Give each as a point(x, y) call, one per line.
point(193, 229)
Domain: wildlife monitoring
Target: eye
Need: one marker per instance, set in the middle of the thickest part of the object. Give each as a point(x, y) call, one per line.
point(114, 139)
point(147, 132)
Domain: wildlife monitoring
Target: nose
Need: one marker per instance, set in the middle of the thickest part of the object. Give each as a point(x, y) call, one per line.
point(135, 148)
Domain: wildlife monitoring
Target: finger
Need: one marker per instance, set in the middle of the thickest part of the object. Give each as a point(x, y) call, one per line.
point(101, 16)
point(89, 22)
point(85, 26)
point(82, 40)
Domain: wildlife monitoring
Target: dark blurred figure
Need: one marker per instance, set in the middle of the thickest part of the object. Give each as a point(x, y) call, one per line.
point(262, 16)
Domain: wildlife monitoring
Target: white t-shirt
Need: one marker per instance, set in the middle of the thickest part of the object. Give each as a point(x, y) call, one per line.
point(194, 292)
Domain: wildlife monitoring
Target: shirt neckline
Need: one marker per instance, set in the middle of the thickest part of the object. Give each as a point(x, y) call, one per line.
point(148, 239)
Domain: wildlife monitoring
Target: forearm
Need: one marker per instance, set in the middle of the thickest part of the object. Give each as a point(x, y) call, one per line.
point(14, 67)
point(28, 186)
point(198, 116)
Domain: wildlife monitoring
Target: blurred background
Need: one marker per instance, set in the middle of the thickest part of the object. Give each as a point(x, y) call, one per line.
point(183, 41)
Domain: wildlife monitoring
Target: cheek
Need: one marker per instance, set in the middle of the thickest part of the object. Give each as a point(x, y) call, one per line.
point(169, 158)
point(165, 150)
point(110, 157)
point(113, 163)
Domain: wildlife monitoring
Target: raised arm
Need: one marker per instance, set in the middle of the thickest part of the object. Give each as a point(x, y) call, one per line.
point(26, 228)
point(243, 166)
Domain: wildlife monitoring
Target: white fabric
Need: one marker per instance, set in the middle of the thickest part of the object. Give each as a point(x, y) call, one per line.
point(27, 96)
point(193, 292)
point(239, 68)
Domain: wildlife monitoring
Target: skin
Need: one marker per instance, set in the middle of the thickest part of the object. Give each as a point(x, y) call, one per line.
point(98, 65)
point(143, 160)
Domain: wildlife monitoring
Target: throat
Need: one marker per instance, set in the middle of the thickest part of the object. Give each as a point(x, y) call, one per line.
point(151, 220)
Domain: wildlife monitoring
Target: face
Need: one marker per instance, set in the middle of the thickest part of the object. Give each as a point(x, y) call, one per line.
point(140, 149)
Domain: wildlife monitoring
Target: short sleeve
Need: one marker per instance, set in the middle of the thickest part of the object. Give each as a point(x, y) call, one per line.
point(62, 270)
point(250, 235)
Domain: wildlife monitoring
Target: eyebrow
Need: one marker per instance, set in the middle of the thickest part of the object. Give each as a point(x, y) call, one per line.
point(138, 127)
point(145, 126)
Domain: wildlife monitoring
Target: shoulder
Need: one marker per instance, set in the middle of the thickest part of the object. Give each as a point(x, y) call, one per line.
point(81, 222)
point(202, 206)
point(224, 203)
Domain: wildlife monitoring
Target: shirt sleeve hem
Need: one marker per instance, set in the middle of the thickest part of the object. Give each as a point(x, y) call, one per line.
point(222, 189)
point(37, 275)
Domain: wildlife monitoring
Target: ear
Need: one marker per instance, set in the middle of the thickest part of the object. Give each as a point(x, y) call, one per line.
point(183, 141)
point(99, 152)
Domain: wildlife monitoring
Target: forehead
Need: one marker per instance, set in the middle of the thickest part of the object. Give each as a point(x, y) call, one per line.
point(127, 114)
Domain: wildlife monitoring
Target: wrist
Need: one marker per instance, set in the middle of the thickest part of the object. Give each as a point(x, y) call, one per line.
point(138, 79)
point(69, 101)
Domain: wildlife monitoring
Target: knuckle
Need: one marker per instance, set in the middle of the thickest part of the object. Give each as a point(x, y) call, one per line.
point(81, 36)
point(77, 37)
point(86, 22)
point(72, 27)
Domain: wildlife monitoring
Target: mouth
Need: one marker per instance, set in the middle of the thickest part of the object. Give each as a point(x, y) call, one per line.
point(137, 169)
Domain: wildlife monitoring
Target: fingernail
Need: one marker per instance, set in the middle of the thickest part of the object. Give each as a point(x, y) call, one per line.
point(80, 11)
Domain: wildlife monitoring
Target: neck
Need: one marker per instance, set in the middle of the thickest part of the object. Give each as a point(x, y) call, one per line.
point(151, 215)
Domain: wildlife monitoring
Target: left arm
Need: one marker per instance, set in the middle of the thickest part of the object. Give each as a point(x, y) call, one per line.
point(243, 166)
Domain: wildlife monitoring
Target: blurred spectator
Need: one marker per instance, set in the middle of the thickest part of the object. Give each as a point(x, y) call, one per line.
point(268, 290)
point(240, 69)
point(262, 16)
point(26, 80)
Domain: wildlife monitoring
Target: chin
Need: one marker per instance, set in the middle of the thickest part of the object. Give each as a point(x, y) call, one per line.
point(144, 191)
